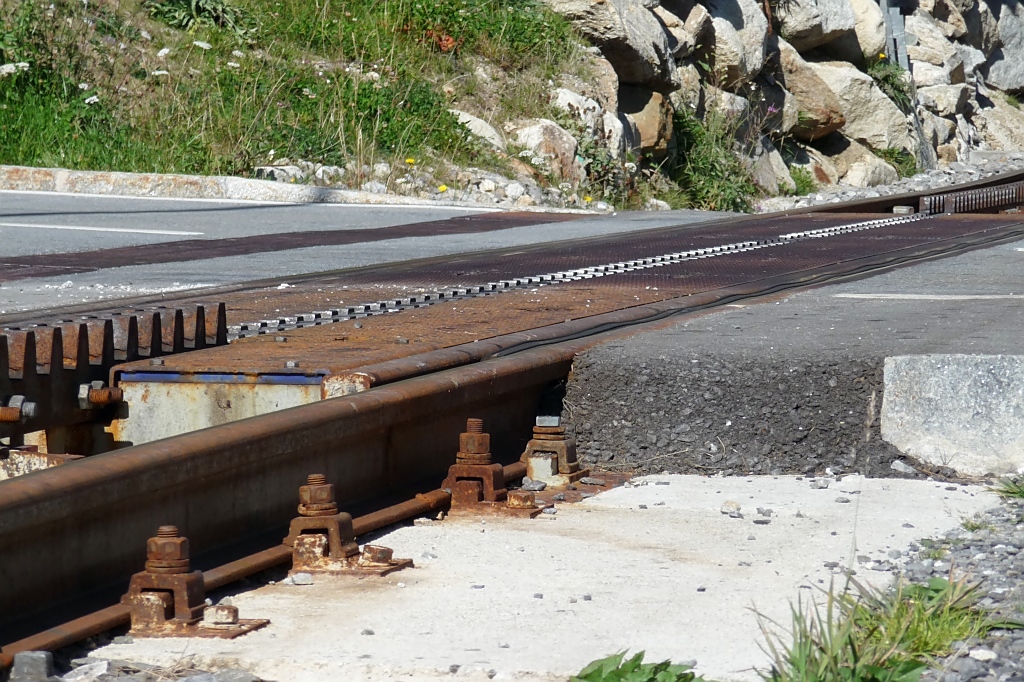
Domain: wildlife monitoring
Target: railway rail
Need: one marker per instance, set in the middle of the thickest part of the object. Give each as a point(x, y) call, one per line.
point(489, 335)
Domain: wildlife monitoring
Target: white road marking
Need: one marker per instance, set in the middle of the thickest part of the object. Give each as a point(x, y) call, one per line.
point(79, 228)
point(931, 297)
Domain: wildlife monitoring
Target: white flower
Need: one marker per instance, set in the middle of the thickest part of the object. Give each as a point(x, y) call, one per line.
point(163, 52)
point(145, 35)
point(631, 167)
point(92, 100)
point(158, 73)
point(22, 66)
point(237, 53)
point(84, 86)
point(234, 65)
point(8, 69)
point(202, 45)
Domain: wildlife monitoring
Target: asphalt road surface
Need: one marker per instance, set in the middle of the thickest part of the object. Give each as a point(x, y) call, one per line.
point(63, 249)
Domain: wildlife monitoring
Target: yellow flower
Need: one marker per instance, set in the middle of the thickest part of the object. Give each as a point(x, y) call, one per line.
point(587, 199)
point(410, 161)
point(442, 188)
point(881, 55)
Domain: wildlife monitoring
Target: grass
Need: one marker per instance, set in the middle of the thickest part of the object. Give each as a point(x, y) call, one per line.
point(903, 161)
point(619, 669)
point(975, 524)
point(803, 179)
point(1010, 487)
point(870, 635)
point(1012, 100)
point(240, 83)
point(705, 167)
point(894, 81)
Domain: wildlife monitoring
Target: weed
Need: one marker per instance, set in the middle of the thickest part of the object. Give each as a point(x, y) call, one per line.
point(976, 524)
point(190, 15)
point(900, 159)
point(803, 179)
point(1012, 486)
point(894, 82)
point(1012, 100)
point(933, 553)
point(705, 166)
point(615, 669)
point(873, 635)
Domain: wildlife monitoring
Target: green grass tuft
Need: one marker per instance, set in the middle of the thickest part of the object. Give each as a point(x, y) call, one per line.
point(903, 161)
point(871, 635)
point(1012, 486)
point(894, 81)
point(803, 179)
point(709, 174)
point(616, 669)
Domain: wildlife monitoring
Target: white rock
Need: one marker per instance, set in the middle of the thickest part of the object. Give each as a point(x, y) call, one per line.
point(487, 185)
point(870, 172)
point(614, 133)
point(1001, 126)
point(1006, 65)
point(871, 117)
point(481, 129)
point(926, 44)
point(548, 139)
point(945, 100)
point(375, 187)
point(628, 35)
point(973, 59)
point(982, 655)
point(583, 108)
point(514, 190)
point(88, 672)
point(740, 35)
point(867, 40)
point(806, 24)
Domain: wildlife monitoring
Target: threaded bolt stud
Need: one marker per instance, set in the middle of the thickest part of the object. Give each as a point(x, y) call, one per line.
point(316, 479)
point(474, 425)
point(167, 532)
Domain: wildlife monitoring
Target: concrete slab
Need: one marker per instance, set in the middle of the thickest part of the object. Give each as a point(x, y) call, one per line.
point(960, 411)
point(653, 566)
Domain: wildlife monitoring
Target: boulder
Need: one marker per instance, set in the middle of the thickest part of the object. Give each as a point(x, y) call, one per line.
point(934, 59)
point(604, 83)
point(652, 113)
point(767, 169)
point(690, 95)
point(945, 100)
point(777, 110)
point(548, 139)
point(866, 41)
point(687, 29)
point(973, 60)
point(739, 40)
point(819, 111)
point(817, 164)
point(613, 133)
point(731, 107)
point(982, 26)
point(937, 130)
point(842, 152)
point(870, 172)
point(1006, 64)
point(481, 128)
point(583, 108)
point(947, 15)
point(871, 117)
point(807, 24)
point(1001, 125)
point(628, 35)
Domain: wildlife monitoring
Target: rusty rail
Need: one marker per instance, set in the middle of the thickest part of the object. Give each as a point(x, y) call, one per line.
point(973, 200)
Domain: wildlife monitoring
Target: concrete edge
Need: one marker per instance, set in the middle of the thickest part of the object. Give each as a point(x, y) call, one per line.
point(227, 188)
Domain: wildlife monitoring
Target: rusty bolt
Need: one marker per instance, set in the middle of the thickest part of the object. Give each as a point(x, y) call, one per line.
point(474, 444)
point(521, 499)
point(316, 498)
point(18, 409)
point(96, 395)
point(376, 554)
point(167, 552)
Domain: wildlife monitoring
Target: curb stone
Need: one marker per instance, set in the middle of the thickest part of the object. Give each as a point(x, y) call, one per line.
point(174, 186)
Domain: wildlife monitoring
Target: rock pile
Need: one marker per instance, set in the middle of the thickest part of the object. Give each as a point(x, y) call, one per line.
point(809, 86)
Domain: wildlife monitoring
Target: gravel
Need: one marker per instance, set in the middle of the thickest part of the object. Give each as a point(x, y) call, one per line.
point(993, 555)
point(735, 415)
point(955, 173)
